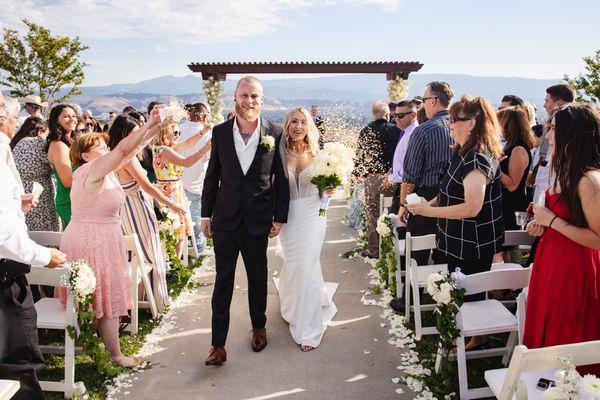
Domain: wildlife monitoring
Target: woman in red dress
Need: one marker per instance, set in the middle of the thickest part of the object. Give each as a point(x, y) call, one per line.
point(563, 304)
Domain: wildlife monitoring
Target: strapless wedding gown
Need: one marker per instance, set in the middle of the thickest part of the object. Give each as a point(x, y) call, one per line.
point(306, 300)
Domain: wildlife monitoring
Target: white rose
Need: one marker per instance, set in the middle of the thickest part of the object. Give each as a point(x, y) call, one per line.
point(443, 296)
point(591, 385)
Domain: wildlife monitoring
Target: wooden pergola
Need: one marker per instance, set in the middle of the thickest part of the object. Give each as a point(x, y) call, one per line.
point(219, 71)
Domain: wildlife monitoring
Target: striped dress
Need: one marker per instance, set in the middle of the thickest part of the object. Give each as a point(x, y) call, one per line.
point(137, 216)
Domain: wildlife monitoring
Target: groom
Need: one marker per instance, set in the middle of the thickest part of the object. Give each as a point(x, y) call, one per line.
point(244, 202)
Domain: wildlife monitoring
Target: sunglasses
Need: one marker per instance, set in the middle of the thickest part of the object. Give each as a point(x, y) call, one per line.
point(403, 114)
point(176, 133)
point(429, 98)
point(459, 119)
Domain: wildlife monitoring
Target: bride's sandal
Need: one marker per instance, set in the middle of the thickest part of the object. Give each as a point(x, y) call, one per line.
point(128, 362)
point(306, 348)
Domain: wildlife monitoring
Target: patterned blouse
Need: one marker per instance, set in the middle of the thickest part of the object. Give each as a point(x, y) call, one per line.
point(481, 236)
point(32, 163)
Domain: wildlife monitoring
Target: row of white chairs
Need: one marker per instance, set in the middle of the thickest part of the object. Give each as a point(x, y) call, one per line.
point(52, 314)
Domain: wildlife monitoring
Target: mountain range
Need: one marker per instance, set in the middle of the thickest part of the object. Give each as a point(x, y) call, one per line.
point(353, 93)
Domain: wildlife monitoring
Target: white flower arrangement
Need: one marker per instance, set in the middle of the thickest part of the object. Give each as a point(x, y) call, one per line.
point(440, 287)
point(268, 142)
point(81, 281)
point(385, 224)
point(214, 97)
point(571, 386)
point(397, 89)
point(171, 221)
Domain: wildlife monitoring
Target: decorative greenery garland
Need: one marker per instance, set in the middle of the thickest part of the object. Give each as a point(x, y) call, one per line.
point(177, 273)
point(397, 89)
point(387, 264)
point(214, 97)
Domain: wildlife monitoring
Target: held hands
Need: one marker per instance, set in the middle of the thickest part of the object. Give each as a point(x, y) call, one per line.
point(206, 228)
point(275, 228)
point(56, 258)
point(542, 215)
point(329, 191)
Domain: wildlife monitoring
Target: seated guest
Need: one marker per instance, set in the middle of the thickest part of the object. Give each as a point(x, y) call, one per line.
point(29, 150)
point(563, 305)
point(168, 166)
point(95, 234)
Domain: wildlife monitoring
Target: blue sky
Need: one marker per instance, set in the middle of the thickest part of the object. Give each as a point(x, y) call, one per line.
point(132, 41)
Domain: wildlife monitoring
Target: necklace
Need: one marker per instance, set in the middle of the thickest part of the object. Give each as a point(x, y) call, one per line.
point(304, 154)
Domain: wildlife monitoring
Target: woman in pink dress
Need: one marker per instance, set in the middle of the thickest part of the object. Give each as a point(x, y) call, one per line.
point(94, 233)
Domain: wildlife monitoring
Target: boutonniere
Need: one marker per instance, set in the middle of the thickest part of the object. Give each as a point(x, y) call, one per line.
point(269, 142)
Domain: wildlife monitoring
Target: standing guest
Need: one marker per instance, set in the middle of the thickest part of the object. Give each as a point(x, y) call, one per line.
point(374, 155)
point(95, 233)
point(510, 100)
point(146, 154)
point(61, 124)
point(469, 205)
point(427, 155)
point(80, 129)
point(20, 355)
point(33, 107)
point(137, 214)
point(8, 127)
point(563, 304)
point(319, 123)
point(168, 166)
point(392, 107)
point(515, 163)
point(406, 119)
point(557, 96)
point(29, 150)
point(193, 177)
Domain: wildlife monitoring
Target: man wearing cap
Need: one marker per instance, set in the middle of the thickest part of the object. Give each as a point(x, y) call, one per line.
point(32, 107)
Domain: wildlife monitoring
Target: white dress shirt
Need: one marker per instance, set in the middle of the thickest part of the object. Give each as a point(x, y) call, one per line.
point(193, 177)
point(400, 153)
point(7, 158)
point(14, 241)
point(245, 152)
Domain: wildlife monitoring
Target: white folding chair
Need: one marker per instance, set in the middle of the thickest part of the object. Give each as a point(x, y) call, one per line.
point(416, 278)
point(8, 388)
point(384, 203)
point(518, 238)
point(519, 380)
point(485, 317)
point(139, 273)
point(52, 315)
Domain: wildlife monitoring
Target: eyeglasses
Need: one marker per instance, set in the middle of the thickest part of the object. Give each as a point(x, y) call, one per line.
point(402, 114)
point(429, 98)
point(459, 119)
point(101, 147)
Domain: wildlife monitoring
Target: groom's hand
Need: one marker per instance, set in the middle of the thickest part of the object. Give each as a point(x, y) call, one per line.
point(275, 228)
point(206, 228)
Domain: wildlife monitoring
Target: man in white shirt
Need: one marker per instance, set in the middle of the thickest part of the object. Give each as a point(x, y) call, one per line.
point(193, 177)
point(8, 127)
point(20, 356)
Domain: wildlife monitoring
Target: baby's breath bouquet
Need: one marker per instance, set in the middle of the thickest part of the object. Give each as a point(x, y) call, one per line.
point(331, 168)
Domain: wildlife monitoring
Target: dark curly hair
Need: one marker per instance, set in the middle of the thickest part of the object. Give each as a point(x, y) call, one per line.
point(56, 132)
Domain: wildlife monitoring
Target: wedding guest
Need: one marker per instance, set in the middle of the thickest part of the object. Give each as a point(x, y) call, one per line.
point(137, 214)
point(8, 127)
point(77, 108)
point(392, 107)
point(427, 154)
point(20, 355)
point(61, 124)
point(29, 150)
point(80, 129)
point(128, 110)
point(319, 123)
point(193, 177)
point(95, 233)
point(374, 155)
point(168, 166)
point(469, 205)
point(563, 304)
point(33, 106)
point(510, 100)
point(146, 155)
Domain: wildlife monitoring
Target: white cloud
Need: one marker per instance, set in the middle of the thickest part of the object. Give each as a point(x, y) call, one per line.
point(183, 21)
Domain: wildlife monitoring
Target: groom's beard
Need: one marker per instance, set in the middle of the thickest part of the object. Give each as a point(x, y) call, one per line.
point(248, 114)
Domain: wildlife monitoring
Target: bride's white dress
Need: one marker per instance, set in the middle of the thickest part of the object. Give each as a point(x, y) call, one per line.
point(306, 300)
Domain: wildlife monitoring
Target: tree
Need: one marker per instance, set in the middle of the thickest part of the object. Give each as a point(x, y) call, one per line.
point(40, 62)
point(589, 82)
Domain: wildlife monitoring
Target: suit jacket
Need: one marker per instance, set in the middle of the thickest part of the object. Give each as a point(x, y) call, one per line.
point(259, 197)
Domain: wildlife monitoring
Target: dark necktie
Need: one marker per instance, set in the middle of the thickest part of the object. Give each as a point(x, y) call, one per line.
point(246, 136)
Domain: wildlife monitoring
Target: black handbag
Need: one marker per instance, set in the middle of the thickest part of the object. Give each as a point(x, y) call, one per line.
point(11, 269)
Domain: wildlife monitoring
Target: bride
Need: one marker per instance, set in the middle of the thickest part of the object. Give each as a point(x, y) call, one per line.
point(305, 299)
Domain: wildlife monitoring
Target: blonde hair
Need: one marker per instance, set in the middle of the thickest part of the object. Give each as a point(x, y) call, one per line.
point(312, 138)
point(161, 138)
point(530, 110)
point(83, 144)
point(249, 79)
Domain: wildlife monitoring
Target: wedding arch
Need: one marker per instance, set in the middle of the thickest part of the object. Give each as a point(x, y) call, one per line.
point(213, 73)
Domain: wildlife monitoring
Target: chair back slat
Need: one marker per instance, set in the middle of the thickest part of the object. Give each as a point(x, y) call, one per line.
point(518, 238)
point(48, 276)
point(46, 238)
point(418, 243)
point(495, 280)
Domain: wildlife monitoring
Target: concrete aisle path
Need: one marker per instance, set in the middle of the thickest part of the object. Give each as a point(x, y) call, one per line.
point(354, 360)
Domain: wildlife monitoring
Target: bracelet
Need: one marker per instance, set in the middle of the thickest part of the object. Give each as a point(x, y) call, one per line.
point(551, 221)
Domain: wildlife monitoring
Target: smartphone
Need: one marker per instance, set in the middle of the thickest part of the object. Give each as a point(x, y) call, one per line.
point(544, 384)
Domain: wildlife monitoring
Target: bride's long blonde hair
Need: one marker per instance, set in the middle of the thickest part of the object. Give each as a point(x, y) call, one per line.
point(311, 139)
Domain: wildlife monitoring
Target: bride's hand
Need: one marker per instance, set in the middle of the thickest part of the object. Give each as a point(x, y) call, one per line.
point(330, 191)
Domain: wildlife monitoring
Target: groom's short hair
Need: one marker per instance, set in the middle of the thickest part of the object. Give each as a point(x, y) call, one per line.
point(249, 79)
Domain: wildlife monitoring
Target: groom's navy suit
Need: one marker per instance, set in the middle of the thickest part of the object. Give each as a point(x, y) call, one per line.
point(242, 208)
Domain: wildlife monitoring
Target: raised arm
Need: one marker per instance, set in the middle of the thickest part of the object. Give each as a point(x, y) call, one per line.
point(193, 140)
point(169, 155)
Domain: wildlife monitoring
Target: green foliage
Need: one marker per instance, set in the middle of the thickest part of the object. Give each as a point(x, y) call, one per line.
point(40, 62)
point(178, 275)
point(324, 182)
point(588, 83)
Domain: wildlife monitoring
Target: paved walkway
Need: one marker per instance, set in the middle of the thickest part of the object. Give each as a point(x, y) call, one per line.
point(354, 360)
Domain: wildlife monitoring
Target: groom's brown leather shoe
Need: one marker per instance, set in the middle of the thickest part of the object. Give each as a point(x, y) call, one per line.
point(217, 356)
point(259, 339)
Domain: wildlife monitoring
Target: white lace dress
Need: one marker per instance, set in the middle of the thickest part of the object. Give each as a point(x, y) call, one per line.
point(306, 300)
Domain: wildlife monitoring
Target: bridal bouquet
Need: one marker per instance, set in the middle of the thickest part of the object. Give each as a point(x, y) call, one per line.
point(81, 281)
point(331, 168)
